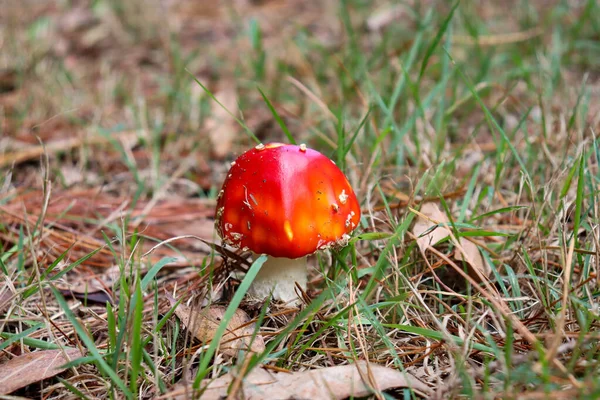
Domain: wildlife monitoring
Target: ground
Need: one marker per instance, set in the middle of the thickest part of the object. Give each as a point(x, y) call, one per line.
point(468, 131)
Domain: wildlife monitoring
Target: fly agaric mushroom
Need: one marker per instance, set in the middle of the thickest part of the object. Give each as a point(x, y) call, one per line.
point(287, 202)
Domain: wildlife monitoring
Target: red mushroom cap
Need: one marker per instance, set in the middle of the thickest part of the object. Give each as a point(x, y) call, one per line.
point(285, 201)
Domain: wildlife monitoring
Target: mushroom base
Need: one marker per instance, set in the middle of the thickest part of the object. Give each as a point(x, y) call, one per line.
point(279, 276)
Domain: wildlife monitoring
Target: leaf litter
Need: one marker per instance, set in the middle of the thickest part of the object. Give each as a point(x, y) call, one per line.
point(432, 226)
point(36, 366)
point(339, 382)
point(76, 220)
point(221, 126)
point(204, 322)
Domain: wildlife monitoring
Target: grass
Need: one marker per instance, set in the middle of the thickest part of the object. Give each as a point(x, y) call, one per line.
point(491, 112)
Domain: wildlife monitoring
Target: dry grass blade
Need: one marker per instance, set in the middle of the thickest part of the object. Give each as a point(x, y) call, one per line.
point(34, 367)
point(492, 295)
point(5, 298)
point(313, 97)
point(556, 342)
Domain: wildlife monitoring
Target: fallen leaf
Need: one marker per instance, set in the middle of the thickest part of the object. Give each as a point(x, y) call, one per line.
point(339, 382)
point(34, 367)
point(472, 256)
point(431, 227)
point(221, 126)
point(203, 323)
point(383, 17)
point(427, 235)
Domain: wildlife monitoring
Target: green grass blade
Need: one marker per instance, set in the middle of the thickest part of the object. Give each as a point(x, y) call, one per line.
point(154, 270)
point(71, 388)
point(136, 350)
point(497, 211)
point(15, 337)
point(90, 345)
point(491, 118)
point(362, 123)
point(240, 122)
point(431, 334)
point(437, 39)
point(282, 124)
point(233, 306)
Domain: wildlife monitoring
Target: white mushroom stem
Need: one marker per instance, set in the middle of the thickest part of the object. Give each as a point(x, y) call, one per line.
point(279, 276)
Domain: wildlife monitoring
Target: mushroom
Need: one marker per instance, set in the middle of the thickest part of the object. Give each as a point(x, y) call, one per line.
point(287, 202)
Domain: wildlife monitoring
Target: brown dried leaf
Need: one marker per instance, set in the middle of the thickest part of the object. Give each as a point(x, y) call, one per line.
point(339, 382)
point(34, 367)
point(203, 323)
point(472, 256)
point(465, 250)
point(221, 126)
point(383, 17)
point(427, 238)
